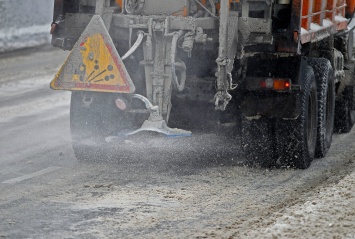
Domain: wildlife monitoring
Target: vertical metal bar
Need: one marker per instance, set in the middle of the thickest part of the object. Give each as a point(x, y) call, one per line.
point(317, 9)
point(334, 9)
point(100, 5)
point(323, 8)
point(158, 71)
point(310, 12)
point(305, 8)
point(223, 29)
point(245, 9)
point(222, 96)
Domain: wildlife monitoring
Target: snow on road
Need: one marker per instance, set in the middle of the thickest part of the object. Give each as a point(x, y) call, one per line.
point(33, 105)
point(188, 188)
point(330, 213)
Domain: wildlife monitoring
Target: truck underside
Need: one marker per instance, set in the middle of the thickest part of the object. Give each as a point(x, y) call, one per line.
point(283, 70)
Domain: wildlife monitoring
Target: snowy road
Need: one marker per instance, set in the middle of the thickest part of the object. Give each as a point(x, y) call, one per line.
point(178, 188)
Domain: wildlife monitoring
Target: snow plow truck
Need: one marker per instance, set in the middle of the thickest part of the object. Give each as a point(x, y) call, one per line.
point(282, 70)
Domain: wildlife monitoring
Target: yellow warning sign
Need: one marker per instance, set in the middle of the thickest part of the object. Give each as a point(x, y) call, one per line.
point(94, 64)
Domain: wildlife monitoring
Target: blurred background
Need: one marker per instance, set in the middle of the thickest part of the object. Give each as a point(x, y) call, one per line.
point(24, 23)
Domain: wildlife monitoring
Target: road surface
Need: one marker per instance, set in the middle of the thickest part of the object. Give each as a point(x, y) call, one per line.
point(156, 188)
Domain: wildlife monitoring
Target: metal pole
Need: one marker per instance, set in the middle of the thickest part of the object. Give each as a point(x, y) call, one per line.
point(222, 96)
point(100, 5)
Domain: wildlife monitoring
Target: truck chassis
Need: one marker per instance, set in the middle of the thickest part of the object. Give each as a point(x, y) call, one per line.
point(283, 70)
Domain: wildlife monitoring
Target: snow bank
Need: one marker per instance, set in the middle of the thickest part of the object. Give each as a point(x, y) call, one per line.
point(330, 214)
point(24, 23)
point(16, 38)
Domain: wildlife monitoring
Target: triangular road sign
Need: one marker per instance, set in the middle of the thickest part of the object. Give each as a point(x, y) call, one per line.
point(94, 64)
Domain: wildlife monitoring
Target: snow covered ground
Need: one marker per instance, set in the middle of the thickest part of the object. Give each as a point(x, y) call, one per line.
point(328, 213)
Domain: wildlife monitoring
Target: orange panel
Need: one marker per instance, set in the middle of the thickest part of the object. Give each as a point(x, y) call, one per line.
point(350, 6)
point(330, 6)
point(305, 8)
point(119, 3)
point(316, 10)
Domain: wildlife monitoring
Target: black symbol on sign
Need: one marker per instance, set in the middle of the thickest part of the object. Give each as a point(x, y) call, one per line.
point(93, 76)
point(82, 69)
point(107, 77)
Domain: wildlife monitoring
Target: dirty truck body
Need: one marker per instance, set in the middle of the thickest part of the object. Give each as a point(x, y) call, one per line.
point(283, 70)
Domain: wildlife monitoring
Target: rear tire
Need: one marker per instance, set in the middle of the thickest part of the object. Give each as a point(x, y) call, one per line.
point(326, 104)
point(296, 139)
point(93, 116)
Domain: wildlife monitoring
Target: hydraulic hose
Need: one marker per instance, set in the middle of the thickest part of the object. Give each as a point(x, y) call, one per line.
point(135, 45)
point(146, 102)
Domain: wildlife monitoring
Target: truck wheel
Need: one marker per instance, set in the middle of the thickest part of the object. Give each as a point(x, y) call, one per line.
point(257, 142)
point(326, 104)
point(93, 116)
point(296, 139)
point(345, 111)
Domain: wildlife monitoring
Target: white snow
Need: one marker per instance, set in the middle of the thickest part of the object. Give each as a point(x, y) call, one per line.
point(17, 38)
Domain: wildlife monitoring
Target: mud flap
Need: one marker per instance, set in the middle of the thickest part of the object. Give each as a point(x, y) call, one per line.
point(94, 64)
